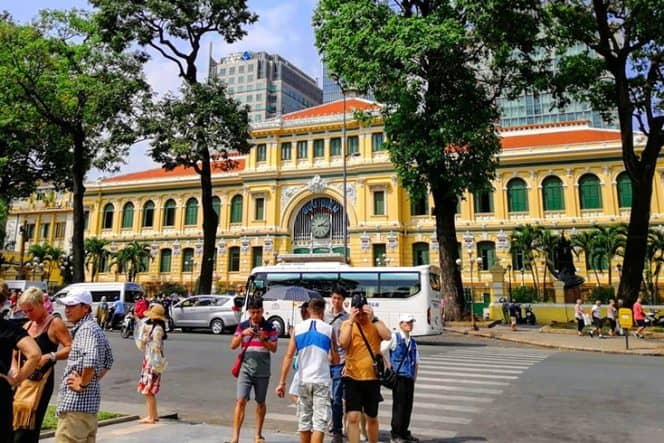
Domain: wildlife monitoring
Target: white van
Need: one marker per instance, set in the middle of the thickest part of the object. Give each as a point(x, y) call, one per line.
point(127, 292)
point(22, 285)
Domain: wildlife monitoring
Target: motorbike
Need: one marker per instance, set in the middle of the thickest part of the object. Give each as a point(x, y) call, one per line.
point(530, 315)
point(127, 329)
point(653, 319)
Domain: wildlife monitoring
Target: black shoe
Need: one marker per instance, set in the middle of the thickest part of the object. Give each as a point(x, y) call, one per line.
point(411, 438)
point(591, 334)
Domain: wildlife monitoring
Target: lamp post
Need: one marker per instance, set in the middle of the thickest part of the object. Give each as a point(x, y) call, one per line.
point(472, 302)
point(509, 282)
point(345, 173)
point(191, 263)
point(66, 268)
point(34, 265)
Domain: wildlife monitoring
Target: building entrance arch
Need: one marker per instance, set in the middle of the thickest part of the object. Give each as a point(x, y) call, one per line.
point(317, 227)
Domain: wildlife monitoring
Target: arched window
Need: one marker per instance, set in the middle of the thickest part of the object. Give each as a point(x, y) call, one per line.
point(107, 221)
point(236, 209)
point(188, 260)
point(487, 251)
point(517, 195)
point(420, 254)
point(128, 215)
point(191, 212)
point(216, 205)
point(590, 193)
point(148, 214)
point(169, 213)
point(165, 260)
point(552, 194)
point(624, 187)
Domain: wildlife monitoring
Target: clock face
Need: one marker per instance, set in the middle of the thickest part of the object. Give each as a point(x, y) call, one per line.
point(320, 225)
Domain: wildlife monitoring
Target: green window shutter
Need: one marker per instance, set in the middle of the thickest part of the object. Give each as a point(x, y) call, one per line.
point(169, 213)
point(128, 216)
point(487, 250)
point(590, 192)
point(165, 260)
point(191, 212)
point(420, 254)
point(377, 141)
point(108, 216)
point(483, 201)
point(148, 215)
point(379, 202)
point(379, 253)
point(236, 209)
point(261, 153)
point(302, 149)
point(234, 259)
point(552, 194)
point(517, 196)
point(260, 209)
point(335, 146)
point(419, 206)
point(319, 148)
point(256, 256)
point(353, 144)
point(286, 151)
point(187, 260)
point(624, 185)
point(216, 205)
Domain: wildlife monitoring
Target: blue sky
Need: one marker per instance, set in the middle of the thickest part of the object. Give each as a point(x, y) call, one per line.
point(283, 27)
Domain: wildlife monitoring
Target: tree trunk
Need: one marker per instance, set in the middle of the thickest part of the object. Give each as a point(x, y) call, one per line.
point(637, 235)
point(452, 286)
point(210, 223)
point(78, 190)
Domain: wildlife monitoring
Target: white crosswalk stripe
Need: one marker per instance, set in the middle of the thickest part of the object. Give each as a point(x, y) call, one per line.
point(452, 387)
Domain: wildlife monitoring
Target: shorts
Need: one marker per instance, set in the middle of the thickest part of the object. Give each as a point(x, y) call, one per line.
point(362, 396)
point(513, 319)
point(244, 384)
point(313, 407)
point(597, 322)
point(612, 323)
point(641, 323)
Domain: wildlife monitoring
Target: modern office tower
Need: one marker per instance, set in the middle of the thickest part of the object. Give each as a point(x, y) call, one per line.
point(332, 91)
point(269, 84)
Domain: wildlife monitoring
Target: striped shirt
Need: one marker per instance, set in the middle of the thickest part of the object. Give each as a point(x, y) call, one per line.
point(256, 361)
point(89, 349)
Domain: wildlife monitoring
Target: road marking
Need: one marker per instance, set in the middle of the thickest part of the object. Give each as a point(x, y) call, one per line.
point(455, 381)
point(445, 397)
point(436, 369)
point(464, 389)
point(496, 356)
point(434, 406)
point(466, 374)
point(416, 418)
point(429, 361)
point(489, 361)
point(428, 432)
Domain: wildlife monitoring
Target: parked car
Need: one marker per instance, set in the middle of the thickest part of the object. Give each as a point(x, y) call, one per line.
point(214, 312)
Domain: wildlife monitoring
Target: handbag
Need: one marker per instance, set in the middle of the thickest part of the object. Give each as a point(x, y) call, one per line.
point(238, 361)
point(378, 362)
point(389, 379)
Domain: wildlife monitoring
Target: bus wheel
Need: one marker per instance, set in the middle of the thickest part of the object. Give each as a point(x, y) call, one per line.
point(278, 324)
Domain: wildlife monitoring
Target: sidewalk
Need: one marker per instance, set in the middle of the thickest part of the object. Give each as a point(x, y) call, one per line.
point(556, 338)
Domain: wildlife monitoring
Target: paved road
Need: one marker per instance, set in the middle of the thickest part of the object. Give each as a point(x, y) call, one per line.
point(469, 390)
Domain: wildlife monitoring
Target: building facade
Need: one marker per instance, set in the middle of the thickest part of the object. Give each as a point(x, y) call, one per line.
point(267, 83)
point(287, 197)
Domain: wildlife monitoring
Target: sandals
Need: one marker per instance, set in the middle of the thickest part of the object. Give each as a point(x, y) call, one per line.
point(260, 439)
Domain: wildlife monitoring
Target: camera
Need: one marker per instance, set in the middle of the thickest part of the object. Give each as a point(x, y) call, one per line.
point(358, 301)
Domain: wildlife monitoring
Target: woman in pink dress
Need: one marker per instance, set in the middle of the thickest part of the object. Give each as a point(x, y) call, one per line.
point(150, 338)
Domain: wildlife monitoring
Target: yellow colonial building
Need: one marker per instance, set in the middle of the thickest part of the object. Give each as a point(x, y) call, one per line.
point(287, 197)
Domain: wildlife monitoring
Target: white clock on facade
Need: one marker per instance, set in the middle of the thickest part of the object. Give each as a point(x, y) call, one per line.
point(320, 225)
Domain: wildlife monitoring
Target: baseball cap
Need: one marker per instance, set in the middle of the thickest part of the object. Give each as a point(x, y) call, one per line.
point(76, 298)
point(406, 318)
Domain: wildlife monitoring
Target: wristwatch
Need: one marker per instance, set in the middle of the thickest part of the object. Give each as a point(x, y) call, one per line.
point(52, 357)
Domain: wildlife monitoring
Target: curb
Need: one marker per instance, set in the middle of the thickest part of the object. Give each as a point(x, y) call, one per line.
point(653, 353)
point(114, 421)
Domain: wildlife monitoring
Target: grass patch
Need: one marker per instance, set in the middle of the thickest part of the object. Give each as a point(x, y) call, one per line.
point(51, 421)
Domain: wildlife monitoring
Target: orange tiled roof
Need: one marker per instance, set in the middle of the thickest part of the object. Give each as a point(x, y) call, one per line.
point(179, 171)
point(560, 138)
point(333, 108)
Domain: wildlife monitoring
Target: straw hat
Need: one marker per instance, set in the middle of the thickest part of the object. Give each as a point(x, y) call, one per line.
point(156, 312)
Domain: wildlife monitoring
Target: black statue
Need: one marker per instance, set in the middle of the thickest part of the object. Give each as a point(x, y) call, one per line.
point(564, 264)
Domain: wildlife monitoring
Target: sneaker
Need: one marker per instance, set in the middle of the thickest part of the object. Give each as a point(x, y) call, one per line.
point(337, 438)
point(601, 336)
point(411, 438)
point(591, 334)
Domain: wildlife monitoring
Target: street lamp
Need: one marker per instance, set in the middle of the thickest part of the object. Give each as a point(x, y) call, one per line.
point(509, 281)
point(66, 268)
point(35, 265)
point(191, 264)
point(472, 302)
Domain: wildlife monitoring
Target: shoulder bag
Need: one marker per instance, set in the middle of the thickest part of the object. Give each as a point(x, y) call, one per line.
point(386, 376)
point(238, 361)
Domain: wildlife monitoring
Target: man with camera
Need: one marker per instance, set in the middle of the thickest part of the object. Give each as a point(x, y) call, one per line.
point(259, 339)
point(361, 336)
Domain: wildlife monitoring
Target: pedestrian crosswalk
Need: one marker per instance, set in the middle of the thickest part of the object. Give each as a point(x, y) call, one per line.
point(451, 389)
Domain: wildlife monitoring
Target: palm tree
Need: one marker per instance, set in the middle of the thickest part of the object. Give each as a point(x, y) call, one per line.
point(546, 246)
point(654, 255)
point(608, 241)
point(131, 259)
point(584, 242)
point(95, 254)
point(525, 239)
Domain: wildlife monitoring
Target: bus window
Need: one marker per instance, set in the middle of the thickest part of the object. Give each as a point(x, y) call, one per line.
point(360, 283)
point(283, 279)
point(399, 284)
point(110, 296)
point(322, 282)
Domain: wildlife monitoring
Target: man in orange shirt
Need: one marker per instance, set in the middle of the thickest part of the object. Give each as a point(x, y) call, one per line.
point(361, 386)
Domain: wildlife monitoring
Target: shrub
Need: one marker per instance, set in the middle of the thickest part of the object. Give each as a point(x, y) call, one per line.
point(524, 294)
point(602, 293)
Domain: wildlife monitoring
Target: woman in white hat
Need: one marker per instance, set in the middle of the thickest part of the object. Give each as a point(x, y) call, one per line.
point(151, 340)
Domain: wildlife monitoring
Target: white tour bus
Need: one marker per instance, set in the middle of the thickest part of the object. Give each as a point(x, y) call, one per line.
point(128, 292)
point(391, 291)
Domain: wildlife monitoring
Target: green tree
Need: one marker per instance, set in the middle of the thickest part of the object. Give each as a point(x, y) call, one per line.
point(132, 259)
point(80, 91)
point(654, 262)
point(619, 67)
point(175, 29)
point(608, 242)
point(546, 245)
point(584, 241)
point(95, 255)
point(526, 239)
point(437, 66)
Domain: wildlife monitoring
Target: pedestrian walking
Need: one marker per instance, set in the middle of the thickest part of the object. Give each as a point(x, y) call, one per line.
point(102, 312)
point(404, 360)
point(596, 315)
point(360, 336)
point(118, 313)
point(335, 317)
point(89, 360)
point(611, 314)
point(578, 315)
point(513, 308)
point(13, 337)
point(639, 317)
point(33, 395)
point(150, 337)
point(313, 340)
point(258, 339)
